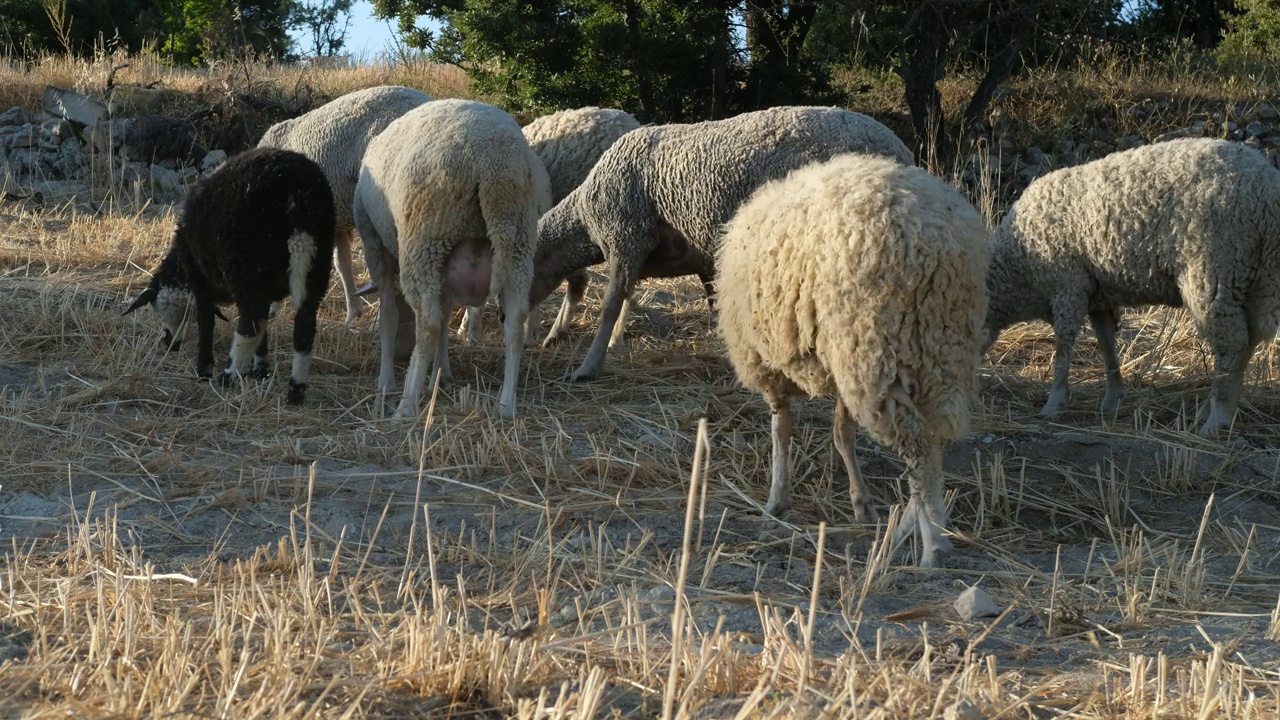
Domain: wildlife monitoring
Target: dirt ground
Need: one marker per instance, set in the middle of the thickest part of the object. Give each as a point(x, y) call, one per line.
point(1136, 565)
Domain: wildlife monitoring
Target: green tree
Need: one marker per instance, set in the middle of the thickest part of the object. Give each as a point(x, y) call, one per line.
point(1254, 32)
point(664, 60)
point(325, 22)
point(1200, 21)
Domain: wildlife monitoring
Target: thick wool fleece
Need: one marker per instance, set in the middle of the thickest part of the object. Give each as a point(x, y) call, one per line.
point(445, 189)
point(256, 231)
point(655, 203)
point(861, 279)
point(1192, 223)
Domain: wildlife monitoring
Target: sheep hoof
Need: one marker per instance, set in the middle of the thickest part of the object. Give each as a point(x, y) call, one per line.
point(863, 514)
point(1050, 412)
point(580, 376)
point(261, 372)
point(353, 314)
point(204, 373)
point(938, 558)
point(226, 378)
point(297, 393)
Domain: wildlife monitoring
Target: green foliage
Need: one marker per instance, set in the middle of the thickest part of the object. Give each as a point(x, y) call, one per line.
point(663, 60)
point(1252, 33)
point(1163, 22)
point(325, 21)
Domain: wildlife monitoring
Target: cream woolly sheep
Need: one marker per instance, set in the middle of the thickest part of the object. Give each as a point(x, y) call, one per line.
point(448, 199)
point(1192, 223)
point(655, 203)
point(335, 136)
point(569, 143)
point(860, 278)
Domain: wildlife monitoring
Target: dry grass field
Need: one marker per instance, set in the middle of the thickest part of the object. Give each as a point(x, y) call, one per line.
point(173, 549)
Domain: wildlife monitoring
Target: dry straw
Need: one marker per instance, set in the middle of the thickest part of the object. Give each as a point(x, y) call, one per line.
point(177, 549)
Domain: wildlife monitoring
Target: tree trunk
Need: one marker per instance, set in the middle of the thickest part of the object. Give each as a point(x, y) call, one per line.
point(926, 57)
point(644, 85)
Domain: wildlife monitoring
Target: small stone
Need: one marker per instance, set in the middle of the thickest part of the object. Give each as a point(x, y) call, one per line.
point(1128, 142)
point(660, 595)
point(213, 160)
point(164, 178)
point(1232, 126)
point(1067, 146)
point(973, 603)
point(16, 116)
point(1268, 112)
point(1036, 156)
point(1030, 172)
point(664, 298)
point(962, 710)
point(1255, 129)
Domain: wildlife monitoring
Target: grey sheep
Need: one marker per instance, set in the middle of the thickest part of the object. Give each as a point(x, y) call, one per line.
point(447, 204)
point(569, 142)
point(335, 136)
point(654, 204)
point(861, 279)
point(1189, 223)
point(257, 230)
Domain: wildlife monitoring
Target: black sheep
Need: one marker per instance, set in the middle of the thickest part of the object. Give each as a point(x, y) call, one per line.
point(256, 231)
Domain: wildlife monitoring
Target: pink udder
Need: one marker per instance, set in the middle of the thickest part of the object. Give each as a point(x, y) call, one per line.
point(468, 270)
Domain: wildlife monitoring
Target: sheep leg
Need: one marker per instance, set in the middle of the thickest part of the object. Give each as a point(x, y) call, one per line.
point(515, 308)
point(618, 339)
point(429, 325)
point(442, 342)
point(389, 305)
point(926, 511)
point(708, 287)
point(204, 345)
point(1066, 325)
point(304, 337)
point(1104, 326)
point(780, 485)
point(843, 433)
point(249, 331)
point(260, 369)
point(572, 299)
point(620, 286)
point(1228, 335)
point(470, 327)
point(342, 260)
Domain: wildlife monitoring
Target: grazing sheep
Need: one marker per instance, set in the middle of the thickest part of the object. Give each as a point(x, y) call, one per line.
point(569, 143)
point(1192, 223)
point(335, 136)
point(448, 200)
point(655, 202)
point(860, 278)
point(257, 230)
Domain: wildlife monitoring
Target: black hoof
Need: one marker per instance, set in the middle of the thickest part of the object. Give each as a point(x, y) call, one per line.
point(260, 372)
point(226, 378)
point(204, 373)
point(297, 393)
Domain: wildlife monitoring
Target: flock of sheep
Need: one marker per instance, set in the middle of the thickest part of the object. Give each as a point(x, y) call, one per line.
point(837, 267)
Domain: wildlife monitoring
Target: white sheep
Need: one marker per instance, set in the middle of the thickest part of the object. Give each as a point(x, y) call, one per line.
point(654, 204)
point(257, 230)
point(1192, 223)
point(448, 200)
point(863, 279)
point(335, 136)
point(569, 143)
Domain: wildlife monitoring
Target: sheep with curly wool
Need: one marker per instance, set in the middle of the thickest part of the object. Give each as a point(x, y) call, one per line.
point(257, 230)
point(863, 279)
point(447, 205)
point(569, 142)
point(1189, 223)
point(335, 136)
point(654, 204)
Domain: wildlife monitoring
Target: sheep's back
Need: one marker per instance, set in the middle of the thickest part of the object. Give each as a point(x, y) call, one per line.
point(852, 276)
point(695, 176)
point(424, 169)
point(247, 211)
point(570, 142)
point(1163, 223)
point(336, 134)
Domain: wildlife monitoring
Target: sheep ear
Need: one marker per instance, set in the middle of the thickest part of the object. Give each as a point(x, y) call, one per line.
point(369, 287)
point(147, 297)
